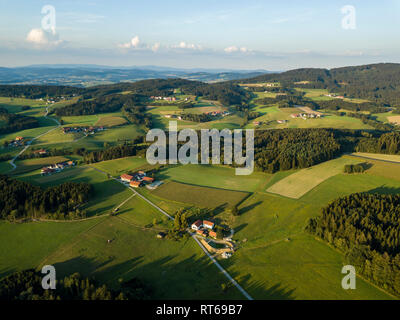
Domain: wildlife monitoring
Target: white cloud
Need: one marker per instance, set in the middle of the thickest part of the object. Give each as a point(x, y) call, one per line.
point(40, 37)
point(155, 47)
point(184, 45)
point(232, 49)
point(134, 43)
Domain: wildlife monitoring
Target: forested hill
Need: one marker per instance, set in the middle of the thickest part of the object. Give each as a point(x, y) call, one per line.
point(375, 82)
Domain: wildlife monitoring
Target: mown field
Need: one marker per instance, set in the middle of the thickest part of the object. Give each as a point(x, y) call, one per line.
point(298, 184)
point(199, 196)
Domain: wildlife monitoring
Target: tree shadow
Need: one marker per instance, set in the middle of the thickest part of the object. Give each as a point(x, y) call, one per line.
point(384, 190)
point(250, 207)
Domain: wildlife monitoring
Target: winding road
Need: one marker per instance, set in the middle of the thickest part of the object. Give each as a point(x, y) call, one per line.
point(11, 162)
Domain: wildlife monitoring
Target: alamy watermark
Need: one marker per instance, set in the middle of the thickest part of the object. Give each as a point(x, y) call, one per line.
point(349, 281)
point(189, 151)
point(349, 19)
point(49, 280)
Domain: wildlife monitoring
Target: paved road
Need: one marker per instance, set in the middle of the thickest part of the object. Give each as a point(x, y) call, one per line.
point(33, 139)
point(370, 158)
point(233, 281)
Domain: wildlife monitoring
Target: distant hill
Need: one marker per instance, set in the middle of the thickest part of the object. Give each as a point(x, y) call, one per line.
point(90, 75)
point(375, 82)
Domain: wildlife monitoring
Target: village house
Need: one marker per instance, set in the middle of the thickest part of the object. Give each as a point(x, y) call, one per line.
point(212, 234)
point(148, 179)
point(197, 225)
point(201, 233)
point(208, 224)
point(126, 178)
point(135, 184)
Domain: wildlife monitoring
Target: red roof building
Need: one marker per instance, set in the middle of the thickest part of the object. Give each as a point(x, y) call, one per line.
point(148, 179)
point(135, 184)
point(197, 225)
point(208, 224)
point(212, 234)
point(126, 177)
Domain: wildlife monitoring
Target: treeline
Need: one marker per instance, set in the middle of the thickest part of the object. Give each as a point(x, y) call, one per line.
point(16, 122)
point(387, 143)
point(137, 115)
point(110, 153)
point(27, 285)
point(20, 200)
point(366, 227)
point(101, 104)
point(38, 91)
point(201, 117)
point(224, 92)
point(286, 149)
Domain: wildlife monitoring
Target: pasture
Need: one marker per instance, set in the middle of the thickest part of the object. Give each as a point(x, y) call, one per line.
point(298, 184)
point(107, 193)
point(36, 163)
point(199, 196)
point(215, 177)
point(174, 269)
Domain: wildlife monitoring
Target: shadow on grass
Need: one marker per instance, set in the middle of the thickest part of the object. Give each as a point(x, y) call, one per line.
point(191, 278)
point(384, 190)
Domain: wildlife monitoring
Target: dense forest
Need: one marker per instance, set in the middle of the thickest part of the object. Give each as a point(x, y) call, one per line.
point(38, 91)
point(15, 122)
point(115, 152)
point(20, 200)
point(102, 104)
point(285, 149)
point(375, 82)
point(367, 228)
point(26, 285)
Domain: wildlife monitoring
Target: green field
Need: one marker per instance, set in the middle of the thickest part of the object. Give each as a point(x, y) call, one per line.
point(199, 196)
point(107, 193)
point(299, 183)
point(34, 164)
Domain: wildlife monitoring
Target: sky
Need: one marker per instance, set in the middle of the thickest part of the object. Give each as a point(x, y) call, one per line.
point(223, 34)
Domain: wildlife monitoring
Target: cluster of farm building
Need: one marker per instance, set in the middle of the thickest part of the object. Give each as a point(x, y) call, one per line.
point(139, 179)
point(306, 116)
point(204, 228)
point(57, 167)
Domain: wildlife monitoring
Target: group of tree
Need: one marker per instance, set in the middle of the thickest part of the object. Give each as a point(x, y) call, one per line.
point(355, 168)
point(100, 104)
point(21, 200)
point(201, 117)
point(113, 152)
point(27, 285)
point(366, 227)
point(13, 122)
point(137, 115)
point(180, 225)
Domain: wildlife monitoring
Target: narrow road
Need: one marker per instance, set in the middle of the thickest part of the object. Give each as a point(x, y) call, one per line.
point(227, 275)
point(33, 139)
point(370, 158)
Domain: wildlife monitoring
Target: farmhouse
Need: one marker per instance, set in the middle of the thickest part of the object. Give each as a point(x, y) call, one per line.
point(19, 138)
point(135, 184)
point(197, 225)
point(212, 234)
point(208, 224)
point(148, 179)
point(201, 233)
point(126, 178)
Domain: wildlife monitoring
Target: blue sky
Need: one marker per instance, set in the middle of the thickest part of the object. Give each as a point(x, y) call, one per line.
point(251, 34)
